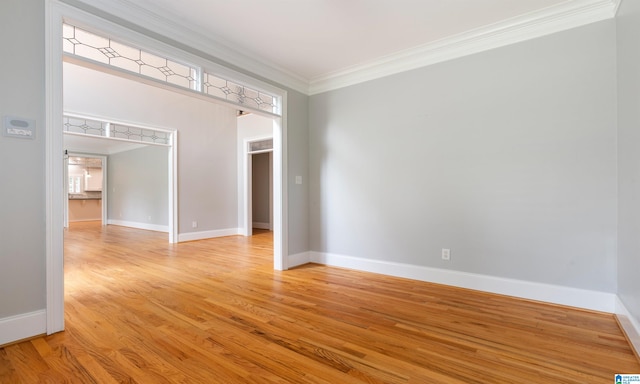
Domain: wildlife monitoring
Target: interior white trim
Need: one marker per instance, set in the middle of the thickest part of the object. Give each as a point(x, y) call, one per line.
point(574, 297)
point(22, 326)
point(115, 71)
point(616, 6)
point(84, 220)
point(172, 170)
point(54, 171)
point(190, 236)
point(135, 224)
point(106, 119)
point(629, 324)
point(567, 15)
point(280, 190)
point(247, 172)
point(542, 292)
point(558, 18)
point(200, 40)
point(173, 189)
point(299, 259)
point(105, 190)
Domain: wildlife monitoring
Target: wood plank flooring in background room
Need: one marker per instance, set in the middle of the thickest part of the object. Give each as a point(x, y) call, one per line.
point(139, 310)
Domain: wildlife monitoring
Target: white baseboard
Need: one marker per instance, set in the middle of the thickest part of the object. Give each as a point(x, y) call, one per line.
point(629, 324)
point(190, 236)
point(575, 297)
point(261, 225)
point(83, 220)
point(134, 224)
point(298, 259)
point(22, 326)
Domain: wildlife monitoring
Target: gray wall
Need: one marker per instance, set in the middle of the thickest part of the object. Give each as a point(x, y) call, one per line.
point(207, 169)
point(139, 186)
point(261, 187)
point(629, 155)
point(507, 157)
point(22, 195)
point(298, 165)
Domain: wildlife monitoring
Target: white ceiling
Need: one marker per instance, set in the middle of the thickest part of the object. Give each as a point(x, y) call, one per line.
point(317, 40)
point(313, 38)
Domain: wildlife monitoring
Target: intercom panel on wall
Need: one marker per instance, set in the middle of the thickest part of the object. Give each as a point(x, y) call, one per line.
point(18, 127)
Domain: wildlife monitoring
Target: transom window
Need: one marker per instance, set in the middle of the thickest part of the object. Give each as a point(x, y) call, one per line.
point(258, 146)
point(93, 47)
point(88, 45)
point(83, 126)
point(226, 89)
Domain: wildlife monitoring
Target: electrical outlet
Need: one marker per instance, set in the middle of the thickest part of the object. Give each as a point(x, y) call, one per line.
point(194, 224)
point(446, 254)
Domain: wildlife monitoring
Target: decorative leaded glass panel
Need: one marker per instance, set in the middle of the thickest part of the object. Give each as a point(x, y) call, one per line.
point(84, 126)
point(79, 42)
point(261, 145)
point(85, 44)
point(139, 134)
point(118, 131)
point(228, 90)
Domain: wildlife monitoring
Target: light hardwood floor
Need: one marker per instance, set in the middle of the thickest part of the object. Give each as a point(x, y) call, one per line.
point(139, 310)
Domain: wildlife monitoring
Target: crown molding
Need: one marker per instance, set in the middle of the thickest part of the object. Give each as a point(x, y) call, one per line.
point(616, 6)
point(535, 24)
point(570, 14)
point(133, 13)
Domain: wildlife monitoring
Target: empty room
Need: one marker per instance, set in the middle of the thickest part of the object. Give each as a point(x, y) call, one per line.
point(453, 192)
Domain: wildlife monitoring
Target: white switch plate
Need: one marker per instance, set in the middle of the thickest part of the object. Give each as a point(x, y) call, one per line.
point(298, 179)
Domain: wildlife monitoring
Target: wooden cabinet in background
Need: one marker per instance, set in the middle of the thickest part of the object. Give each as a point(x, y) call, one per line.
point(85, 209)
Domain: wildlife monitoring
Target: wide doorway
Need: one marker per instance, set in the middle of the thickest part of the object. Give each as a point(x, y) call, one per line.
point(204, 72)
point(86, 179)
point(256, 182)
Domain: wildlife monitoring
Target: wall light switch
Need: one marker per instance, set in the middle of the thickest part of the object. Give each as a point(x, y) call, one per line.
point(298, 179)
point(18, 127)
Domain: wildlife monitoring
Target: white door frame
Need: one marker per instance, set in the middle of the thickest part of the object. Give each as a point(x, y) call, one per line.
point(105, 185)
point(55, 13)
point(173, 188)
point(247, 156)
point(172, 170)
